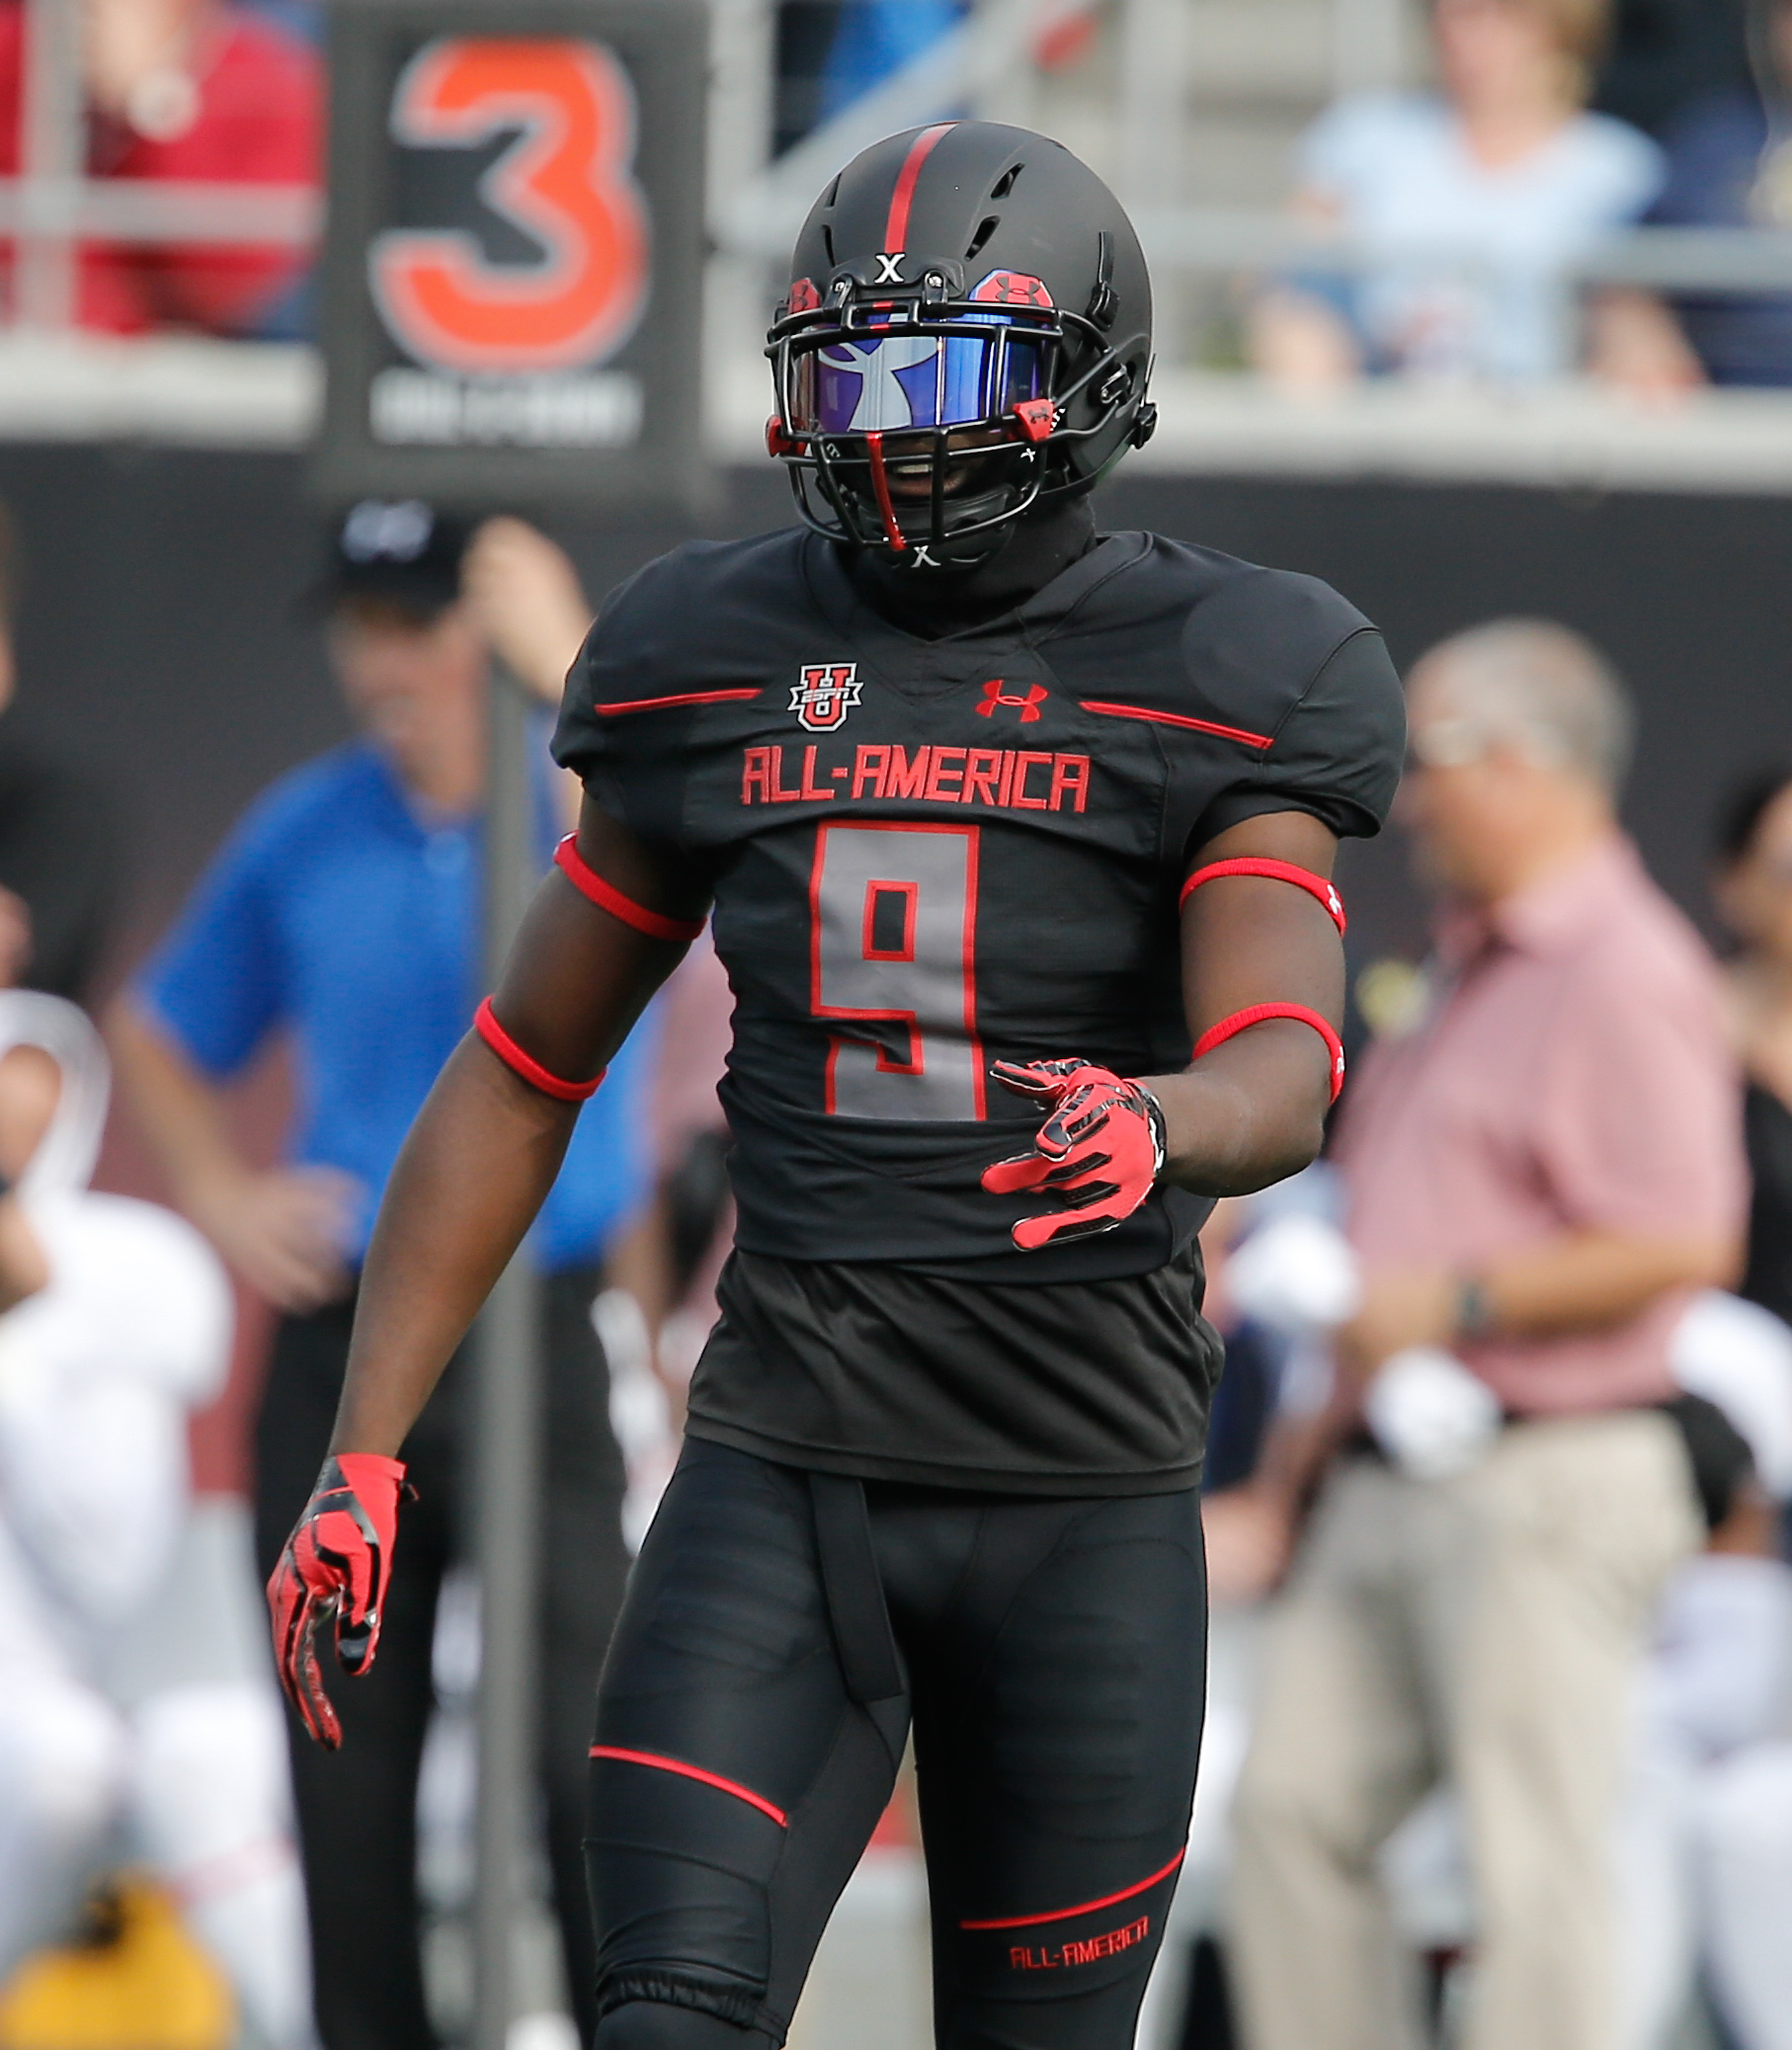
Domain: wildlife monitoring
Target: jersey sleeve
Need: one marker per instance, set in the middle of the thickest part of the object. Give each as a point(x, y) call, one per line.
point(649, 653)
point(1290, 703)
point(1337, 754)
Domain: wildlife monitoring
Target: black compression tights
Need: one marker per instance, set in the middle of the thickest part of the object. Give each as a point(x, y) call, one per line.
point(779, 1633)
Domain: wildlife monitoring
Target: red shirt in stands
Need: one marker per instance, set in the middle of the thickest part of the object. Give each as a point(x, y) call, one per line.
point(257, 119)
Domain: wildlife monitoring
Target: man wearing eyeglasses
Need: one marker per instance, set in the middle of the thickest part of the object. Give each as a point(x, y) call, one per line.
point(1537, 1175)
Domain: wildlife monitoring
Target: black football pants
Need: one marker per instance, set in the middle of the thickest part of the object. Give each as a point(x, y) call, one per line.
point(781, 1631)
point(357, 1807)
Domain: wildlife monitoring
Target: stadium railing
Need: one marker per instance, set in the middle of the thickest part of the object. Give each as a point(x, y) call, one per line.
point(59, 384)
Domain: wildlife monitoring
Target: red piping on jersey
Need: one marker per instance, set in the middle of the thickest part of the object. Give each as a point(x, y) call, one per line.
point(485, 1023)
point(1315, 887)
point(881, 485)
point(1023, 1921)
point(1177, 718)
point(613, 711)
point(896, 227)
point(590, 884)
point(1218, 1035)
point(684, 1771)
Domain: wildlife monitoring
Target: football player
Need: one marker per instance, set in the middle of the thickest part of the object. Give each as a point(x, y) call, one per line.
point(1016, 838)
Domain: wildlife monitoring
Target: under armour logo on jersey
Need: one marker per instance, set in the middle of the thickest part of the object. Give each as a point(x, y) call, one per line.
point(1028, 706)
point(827, 693)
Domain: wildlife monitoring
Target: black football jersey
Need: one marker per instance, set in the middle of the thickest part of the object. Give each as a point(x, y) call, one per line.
point(932, 854)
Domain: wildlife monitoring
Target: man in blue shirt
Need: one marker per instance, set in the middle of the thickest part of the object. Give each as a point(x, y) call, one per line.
point(344, 914)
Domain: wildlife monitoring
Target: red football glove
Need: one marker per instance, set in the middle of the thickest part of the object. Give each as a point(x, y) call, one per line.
point(1100, 1150)
point(336, 1563)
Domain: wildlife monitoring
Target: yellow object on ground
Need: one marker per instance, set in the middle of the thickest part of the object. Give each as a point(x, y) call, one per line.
point(135, 1980)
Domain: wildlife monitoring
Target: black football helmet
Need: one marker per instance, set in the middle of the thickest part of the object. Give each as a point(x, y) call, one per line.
point(968, 333)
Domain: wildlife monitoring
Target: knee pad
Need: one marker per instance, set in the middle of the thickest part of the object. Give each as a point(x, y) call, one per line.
point(680, 1874)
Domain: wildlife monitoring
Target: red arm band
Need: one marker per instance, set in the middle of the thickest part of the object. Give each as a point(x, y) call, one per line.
point(1277, 871)
point(485, 1023)
point(1218, 1035)
point(589, 883)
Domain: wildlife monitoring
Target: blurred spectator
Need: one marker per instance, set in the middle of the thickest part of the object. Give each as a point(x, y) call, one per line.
point(1535, 1177)
point(1729, 165)
point(1473, 206)
point(1665, 53)
point(187, 91)
point(345, 913)
point(1753, 893)
point(128, 1331)
point(1707, 1840)
point(58, 876)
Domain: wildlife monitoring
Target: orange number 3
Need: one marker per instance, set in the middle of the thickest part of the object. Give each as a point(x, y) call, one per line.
point(566, 182)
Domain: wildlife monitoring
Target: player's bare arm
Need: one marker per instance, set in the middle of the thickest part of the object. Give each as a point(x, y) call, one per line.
point(1263, 989)
point(1252, 1110)
point(488, 1142)
point(474, 1170)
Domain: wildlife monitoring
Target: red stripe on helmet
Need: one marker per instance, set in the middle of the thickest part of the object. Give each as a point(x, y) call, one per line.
point(896, 228)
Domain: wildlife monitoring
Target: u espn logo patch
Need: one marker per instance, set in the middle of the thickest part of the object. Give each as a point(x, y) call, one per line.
point(827, 693)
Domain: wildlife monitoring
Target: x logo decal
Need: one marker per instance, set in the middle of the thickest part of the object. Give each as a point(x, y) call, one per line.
point(889, 270)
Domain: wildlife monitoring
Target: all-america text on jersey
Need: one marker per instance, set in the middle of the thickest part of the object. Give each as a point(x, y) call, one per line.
point(1008, 779)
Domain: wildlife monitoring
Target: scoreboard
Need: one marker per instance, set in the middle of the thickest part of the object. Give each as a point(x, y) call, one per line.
point(512, 273)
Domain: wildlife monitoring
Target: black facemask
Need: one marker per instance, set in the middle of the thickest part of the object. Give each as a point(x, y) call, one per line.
point(932, 603)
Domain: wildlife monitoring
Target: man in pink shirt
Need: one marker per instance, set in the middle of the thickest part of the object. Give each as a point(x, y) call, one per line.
point(1539, 1173)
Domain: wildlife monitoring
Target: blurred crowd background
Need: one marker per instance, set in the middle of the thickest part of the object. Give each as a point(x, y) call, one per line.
point(1481, 309)
point(1464, 172)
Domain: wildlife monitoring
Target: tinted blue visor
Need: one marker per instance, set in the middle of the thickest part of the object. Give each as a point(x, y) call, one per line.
point(858, 383)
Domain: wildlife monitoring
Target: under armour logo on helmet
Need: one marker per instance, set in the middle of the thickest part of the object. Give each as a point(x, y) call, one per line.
point(883, 401)
point(1028, 706)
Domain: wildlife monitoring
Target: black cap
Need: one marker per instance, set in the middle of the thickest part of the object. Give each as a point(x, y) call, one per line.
point(399, 549)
